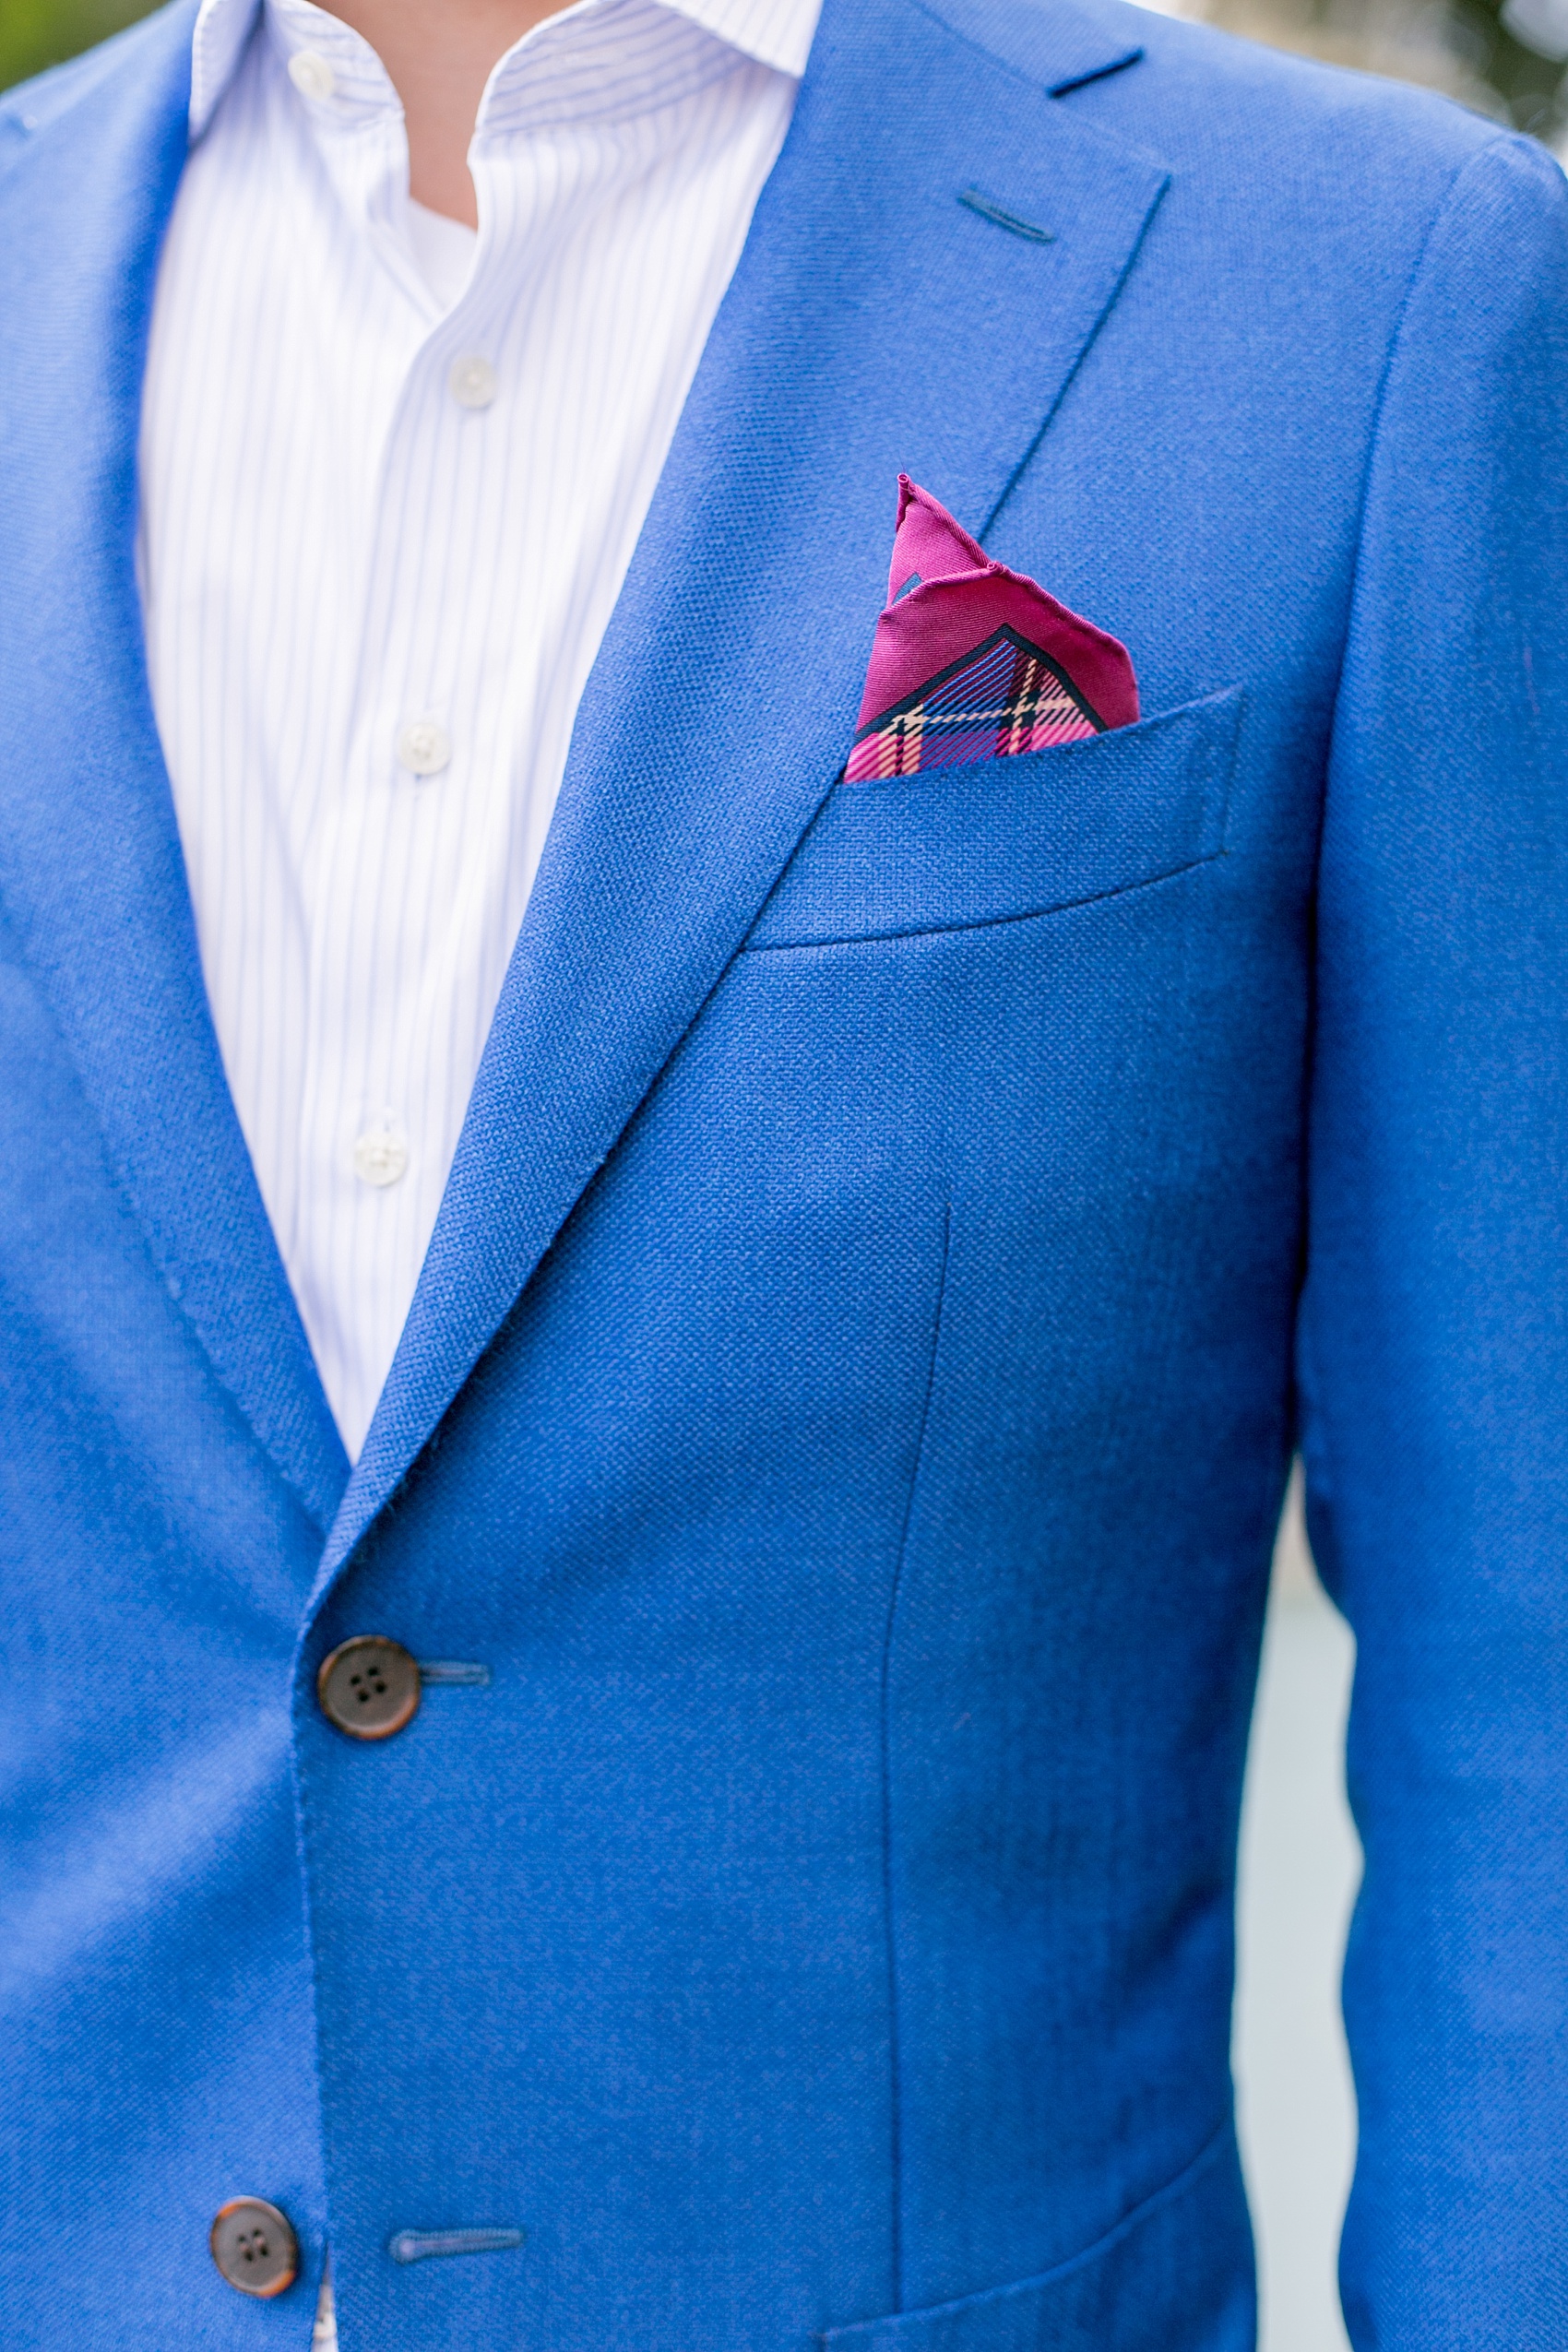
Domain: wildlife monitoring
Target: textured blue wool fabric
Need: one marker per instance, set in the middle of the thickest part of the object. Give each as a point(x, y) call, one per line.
point(899, 1234)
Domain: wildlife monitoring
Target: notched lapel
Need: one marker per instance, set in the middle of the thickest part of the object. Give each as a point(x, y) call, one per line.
point(875, 322)
point(90, 867)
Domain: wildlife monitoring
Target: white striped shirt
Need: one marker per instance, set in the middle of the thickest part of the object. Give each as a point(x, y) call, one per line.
point(382, 533)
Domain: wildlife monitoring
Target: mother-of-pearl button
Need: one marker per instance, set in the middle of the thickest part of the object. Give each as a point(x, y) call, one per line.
point(472, 382)
point(311, 74)
point(424, 746)
point(380, 1156)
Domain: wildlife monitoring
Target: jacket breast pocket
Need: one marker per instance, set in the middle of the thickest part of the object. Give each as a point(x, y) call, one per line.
point(954, 846)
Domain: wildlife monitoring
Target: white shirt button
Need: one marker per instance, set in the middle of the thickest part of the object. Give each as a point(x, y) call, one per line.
point(311, 74)
point(472, 382)
point(380, 1156)
point(424, 746)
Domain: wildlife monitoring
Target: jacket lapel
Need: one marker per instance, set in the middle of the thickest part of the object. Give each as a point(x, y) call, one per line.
point(90, 870)
point(876, 321)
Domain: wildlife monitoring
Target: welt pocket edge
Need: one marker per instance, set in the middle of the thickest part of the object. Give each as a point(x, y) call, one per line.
point(1220, 705)
point(1007, 840)
point(986, 923)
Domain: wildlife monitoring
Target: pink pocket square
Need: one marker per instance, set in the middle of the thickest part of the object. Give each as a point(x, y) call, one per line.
point(972, 662)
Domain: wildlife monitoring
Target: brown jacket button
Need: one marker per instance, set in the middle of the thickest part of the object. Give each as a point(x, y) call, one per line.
point(369, 1687)
point(253, 2247)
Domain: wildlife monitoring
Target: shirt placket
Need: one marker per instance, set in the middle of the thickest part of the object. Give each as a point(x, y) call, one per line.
point(427, 748)
point(356, 1152)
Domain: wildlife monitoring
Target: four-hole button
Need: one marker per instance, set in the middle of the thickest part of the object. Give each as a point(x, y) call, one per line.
point(253, 2246)
point(369, 1687)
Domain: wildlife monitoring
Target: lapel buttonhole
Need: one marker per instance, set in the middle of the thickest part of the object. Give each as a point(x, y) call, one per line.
point(988, 210)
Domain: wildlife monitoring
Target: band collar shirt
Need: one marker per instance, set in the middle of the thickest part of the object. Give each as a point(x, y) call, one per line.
point(392, 476)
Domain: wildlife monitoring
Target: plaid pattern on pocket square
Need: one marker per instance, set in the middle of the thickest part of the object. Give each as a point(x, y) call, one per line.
point(972, 662)
point(1007, 696)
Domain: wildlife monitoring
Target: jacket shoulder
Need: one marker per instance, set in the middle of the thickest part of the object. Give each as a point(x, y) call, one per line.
point(1207, 84)
point(1246, 114)
point(1283, 156)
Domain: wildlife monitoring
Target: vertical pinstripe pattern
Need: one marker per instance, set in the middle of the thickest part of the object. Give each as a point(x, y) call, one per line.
point(334, 546)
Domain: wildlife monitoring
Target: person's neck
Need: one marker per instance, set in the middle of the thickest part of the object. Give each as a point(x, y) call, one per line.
point(439, 54)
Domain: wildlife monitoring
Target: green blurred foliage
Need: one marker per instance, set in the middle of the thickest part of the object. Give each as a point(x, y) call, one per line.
point(35, 33)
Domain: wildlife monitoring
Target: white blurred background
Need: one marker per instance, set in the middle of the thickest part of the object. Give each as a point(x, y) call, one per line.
point(1300, 1867)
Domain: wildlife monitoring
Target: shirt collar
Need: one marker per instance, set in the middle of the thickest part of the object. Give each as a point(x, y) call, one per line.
point(776, 33)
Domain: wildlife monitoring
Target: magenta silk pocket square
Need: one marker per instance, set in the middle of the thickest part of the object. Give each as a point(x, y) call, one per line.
point(972, 662)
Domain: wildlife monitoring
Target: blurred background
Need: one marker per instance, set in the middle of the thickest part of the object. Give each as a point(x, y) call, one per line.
point(35, 33)
point(1300, 1864)
point(1300, 1858)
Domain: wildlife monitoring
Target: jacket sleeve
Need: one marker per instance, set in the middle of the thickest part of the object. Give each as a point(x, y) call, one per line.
point(1433, 1330)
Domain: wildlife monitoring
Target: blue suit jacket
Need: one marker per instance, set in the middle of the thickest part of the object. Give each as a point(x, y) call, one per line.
point(898, 1235)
